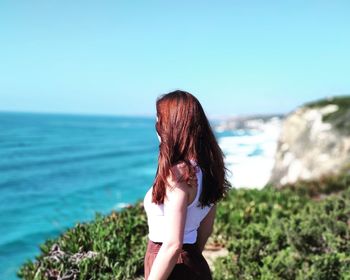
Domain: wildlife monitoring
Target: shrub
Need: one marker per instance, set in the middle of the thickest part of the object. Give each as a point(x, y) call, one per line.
point(282, 235)
point(269, 234)
point(110, 247)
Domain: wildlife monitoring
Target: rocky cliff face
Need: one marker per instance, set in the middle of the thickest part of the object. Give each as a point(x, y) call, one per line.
point(314, 141)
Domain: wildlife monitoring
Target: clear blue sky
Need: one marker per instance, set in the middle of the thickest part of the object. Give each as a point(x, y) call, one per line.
point(116, 57)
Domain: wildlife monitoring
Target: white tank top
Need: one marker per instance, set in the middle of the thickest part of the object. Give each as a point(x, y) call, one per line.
point(195, 214)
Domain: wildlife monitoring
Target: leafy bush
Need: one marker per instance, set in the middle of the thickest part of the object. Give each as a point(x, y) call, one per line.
point(110, 247)
point(269, 233)
point(326, 184)
point(281, 235)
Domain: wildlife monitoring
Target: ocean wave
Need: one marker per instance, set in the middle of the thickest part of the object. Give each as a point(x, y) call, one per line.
point(121, 205)
point(33, 164)
point(250, 156)
point(22, 240)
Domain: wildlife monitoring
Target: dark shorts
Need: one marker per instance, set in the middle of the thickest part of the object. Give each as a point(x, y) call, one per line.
point(190, 264)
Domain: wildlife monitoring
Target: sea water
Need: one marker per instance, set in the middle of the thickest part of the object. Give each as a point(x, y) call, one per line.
point(57, 170)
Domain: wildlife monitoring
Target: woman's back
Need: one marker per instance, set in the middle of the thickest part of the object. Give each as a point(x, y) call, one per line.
point(195, 214)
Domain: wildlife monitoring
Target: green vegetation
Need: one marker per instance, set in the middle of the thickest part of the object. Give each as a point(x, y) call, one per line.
point(282, 235)
point(325, 185)
point(270, 234)
point(340, 118)
point(118, 239)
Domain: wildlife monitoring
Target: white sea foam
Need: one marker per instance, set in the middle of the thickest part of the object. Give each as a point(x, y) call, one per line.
point(250, 157)
point(121, 205)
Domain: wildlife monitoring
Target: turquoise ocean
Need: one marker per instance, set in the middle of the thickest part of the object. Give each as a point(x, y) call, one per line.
point(57, 170)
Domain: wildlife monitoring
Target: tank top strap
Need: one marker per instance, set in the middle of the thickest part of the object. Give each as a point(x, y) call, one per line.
point(199, 186)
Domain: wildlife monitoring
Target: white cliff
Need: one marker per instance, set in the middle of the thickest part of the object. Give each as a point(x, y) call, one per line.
point(314, 141)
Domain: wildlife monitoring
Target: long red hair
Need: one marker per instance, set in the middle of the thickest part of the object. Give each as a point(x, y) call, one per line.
point(186, 134)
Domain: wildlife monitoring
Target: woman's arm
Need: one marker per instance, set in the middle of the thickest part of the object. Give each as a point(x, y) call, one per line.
point(206, 228)
point(175, 210)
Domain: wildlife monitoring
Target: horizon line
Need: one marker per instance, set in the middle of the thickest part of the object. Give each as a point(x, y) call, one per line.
point(94, 114)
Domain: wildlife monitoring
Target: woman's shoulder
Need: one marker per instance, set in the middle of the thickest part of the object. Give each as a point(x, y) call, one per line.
point(181, 169)
point(178, 171)
point(181, 175)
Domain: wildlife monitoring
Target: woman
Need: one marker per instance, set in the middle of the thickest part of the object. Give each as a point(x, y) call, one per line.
point(190, 180)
